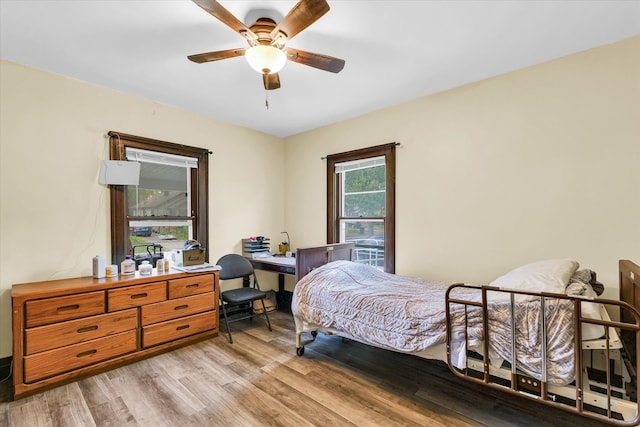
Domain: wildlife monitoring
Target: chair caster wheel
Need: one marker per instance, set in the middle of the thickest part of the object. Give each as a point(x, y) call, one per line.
point(314, 334)
point(300, 351)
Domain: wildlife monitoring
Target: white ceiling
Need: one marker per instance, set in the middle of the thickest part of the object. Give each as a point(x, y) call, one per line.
point(395, 51)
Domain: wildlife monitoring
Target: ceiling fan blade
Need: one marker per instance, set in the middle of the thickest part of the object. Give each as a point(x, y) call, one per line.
point(215, 56)
point(303, 14)
point(216, 10)
point(316, 60)
point(271, 81)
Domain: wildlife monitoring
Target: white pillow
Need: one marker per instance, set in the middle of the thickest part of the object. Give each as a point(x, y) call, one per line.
point(591, 310)
point(543, 276)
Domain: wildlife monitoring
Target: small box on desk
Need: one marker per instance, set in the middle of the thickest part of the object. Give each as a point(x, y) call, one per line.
point(186, 257)
point(256, 247)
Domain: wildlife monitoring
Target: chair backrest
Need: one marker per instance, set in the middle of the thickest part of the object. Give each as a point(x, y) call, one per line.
point(234, 266)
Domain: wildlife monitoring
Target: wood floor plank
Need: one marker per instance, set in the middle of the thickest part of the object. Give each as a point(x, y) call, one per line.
point(258, 380)
point(296, 401)
point(29, 412)
point(374, 394)
point(167, 401)
point(67, 406)
point(374, 399)
point(221, 407)
point(303, 365)
point(342, 404)
point(270, 411)
point(264, 348)
point(113, 413)
point(98, 390)
point(441, 395)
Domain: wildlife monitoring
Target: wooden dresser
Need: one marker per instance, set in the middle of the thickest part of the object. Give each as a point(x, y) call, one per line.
point(65, 330)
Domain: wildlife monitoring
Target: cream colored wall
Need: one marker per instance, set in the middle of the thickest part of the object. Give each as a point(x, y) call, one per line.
point(54, 216)
point(535, 164)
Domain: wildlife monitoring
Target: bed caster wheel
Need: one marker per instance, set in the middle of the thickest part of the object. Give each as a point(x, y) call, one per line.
point(314, 334)
point(300, 351)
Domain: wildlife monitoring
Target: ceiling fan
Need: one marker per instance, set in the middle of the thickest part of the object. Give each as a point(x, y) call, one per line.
point(268, 53)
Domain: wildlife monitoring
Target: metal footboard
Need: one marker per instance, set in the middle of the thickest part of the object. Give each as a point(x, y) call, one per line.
point(604, 387)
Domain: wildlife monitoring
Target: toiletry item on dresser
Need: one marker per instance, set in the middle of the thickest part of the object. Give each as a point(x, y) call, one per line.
point(145, 268)
point(112, 270)
point(99, 267)
point(128, 266)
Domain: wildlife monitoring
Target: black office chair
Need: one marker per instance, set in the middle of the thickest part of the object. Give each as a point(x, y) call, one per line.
point(233, 267)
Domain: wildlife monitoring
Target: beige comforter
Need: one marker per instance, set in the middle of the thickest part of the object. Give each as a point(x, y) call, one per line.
point(408, 315)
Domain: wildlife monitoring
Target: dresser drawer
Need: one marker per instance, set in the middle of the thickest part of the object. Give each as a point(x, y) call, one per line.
point(58, 309)
point(134, 296)
point(53, 362)
point(70, 332)
point(179, 288)
point(174, 308)
point(174, 329)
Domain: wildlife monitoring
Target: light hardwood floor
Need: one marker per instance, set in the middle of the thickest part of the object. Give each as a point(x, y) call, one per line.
point(259, 381)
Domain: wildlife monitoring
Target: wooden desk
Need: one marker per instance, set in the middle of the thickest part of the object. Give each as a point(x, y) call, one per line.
point(281, 266)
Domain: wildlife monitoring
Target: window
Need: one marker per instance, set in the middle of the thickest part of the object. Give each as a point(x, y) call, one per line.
point(361, 203)
point(168, 207)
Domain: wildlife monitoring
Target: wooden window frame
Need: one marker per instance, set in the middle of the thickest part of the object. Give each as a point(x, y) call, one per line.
point(334, 196)
point(118, 143)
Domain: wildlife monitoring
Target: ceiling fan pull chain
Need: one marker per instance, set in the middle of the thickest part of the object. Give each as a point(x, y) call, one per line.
point(266, 98)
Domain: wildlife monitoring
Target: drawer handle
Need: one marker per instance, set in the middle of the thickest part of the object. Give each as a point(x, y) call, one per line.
point(181, 307)
point(179, 328)
point(86, 353)
point(142, 295)
point(193, 285)
point(68, 307)
point(87, 329)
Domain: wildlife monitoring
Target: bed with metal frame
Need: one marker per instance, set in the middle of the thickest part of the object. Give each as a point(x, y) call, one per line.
point(603, 383)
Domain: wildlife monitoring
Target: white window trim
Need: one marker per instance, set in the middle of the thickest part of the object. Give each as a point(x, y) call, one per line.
point(157, 157)
point(369, 162)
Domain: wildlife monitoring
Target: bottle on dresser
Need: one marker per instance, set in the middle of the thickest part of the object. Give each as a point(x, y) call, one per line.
point(128, 266)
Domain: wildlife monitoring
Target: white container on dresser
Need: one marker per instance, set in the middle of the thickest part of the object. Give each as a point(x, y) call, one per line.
point(65, 330)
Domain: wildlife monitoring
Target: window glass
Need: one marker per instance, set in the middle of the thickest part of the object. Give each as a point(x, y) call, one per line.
point(161, 198)
point(168, 235)
point(368, 237)
point(163, 191)
point(364, 192)
point(364, 196)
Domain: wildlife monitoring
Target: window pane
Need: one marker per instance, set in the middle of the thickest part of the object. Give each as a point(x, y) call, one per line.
point(369, 179)
point(364, 204)
point(368, 237)
point(163, 191)
point(364, 192)
point(168, 234)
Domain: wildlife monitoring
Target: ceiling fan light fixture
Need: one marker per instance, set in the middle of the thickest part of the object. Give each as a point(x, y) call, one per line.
point(265, 59)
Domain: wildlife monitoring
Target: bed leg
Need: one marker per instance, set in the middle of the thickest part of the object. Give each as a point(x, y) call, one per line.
point(299, 329)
